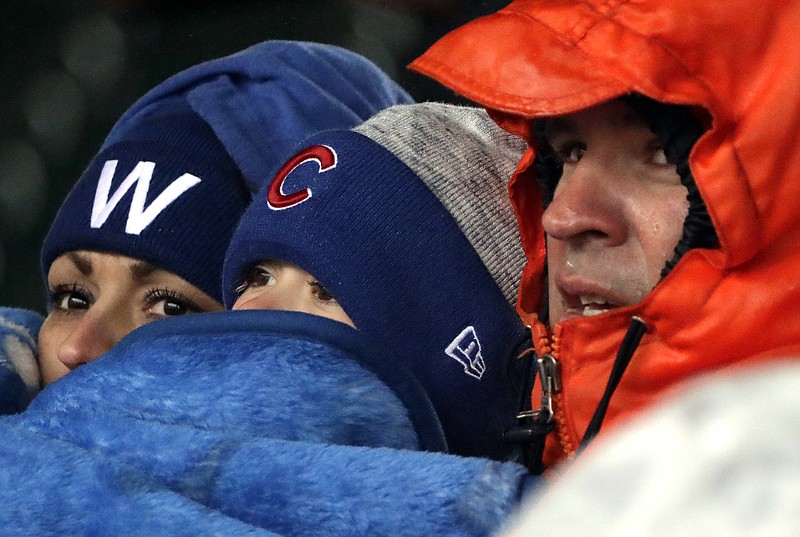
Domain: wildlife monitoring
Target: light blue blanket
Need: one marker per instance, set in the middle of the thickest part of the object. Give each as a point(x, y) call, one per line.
point(19, 370)
point(243, 423)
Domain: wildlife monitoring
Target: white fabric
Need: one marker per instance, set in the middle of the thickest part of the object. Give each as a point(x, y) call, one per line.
point(720, 458)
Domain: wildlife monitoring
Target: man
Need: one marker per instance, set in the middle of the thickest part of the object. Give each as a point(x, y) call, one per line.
point(723, 110)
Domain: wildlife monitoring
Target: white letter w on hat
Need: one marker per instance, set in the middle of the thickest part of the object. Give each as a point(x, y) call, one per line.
point(139, 216)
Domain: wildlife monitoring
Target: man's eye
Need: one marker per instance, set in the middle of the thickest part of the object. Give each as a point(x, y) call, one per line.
point(659, 158)
point(654, 153)
point(571, 153)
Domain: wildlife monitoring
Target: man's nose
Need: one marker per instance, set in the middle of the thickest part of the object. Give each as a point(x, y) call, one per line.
point(94, 335)
point(588, 205)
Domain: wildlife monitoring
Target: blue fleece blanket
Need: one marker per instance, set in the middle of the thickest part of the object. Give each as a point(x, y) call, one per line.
point(242, 423)
point(19, 369)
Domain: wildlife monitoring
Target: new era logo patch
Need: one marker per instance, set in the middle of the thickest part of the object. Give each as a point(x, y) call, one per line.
point(466, 349)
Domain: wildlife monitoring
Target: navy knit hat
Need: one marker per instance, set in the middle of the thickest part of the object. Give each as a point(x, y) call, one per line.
point(264, 101)
point(406, 221)
point(167, 193)
point(172, 178)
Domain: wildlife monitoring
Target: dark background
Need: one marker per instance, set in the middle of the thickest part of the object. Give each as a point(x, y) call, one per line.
point(68, 69)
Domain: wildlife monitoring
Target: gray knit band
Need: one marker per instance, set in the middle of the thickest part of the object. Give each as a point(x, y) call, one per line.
point(466, 162)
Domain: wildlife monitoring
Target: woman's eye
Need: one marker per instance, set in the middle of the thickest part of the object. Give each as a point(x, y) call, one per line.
point(571, 153)
point(70, 299)
point(167, 303)
point(169, 308)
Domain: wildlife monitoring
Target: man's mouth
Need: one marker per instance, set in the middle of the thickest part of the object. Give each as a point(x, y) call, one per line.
point(594, 305)
point(582, 297)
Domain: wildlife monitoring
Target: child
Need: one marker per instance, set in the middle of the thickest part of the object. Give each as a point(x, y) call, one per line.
point(404, 222)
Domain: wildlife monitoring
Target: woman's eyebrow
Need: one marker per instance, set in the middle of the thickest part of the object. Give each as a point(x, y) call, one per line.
point(82, 263)
point(142, 269)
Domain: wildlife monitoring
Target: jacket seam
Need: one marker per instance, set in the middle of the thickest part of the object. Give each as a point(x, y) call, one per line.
point(563, 38)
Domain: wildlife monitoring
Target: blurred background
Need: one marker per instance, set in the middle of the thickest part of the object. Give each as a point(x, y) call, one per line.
point(69, 68)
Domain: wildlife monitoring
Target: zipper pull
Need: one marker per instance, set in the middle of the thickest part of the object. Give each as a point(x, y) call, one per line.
point(537, 424)
point(550, 376)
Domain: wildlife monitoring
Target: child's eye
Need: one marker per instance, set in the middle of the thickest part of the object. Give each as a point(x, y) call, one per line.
point(256, 276)
point(167, 303)
point(70, 297)
point(320, 293)
point(571, 152)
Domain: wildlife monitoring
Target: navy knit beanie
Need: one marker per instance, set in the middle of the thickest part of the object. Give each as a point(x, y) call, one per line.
point(264, 101)
point(406, 220)
point(172, 177)
point(166, 193)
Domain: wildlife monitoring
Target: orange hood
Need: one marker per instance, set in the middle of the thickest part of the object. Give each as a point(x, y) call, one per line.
point(738, 60)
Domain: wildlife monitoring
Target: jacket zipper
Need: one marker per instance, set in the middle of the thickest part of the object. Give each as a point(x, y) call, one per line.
point(549, 371)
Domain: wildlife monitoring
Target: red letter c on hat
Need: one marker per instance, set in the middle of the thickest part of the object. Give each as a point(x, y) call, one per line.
point(277, 200)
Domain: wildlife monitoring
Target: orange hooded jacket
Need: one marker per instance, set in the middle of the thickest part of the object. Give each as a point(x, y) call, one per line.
point(738, 60)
